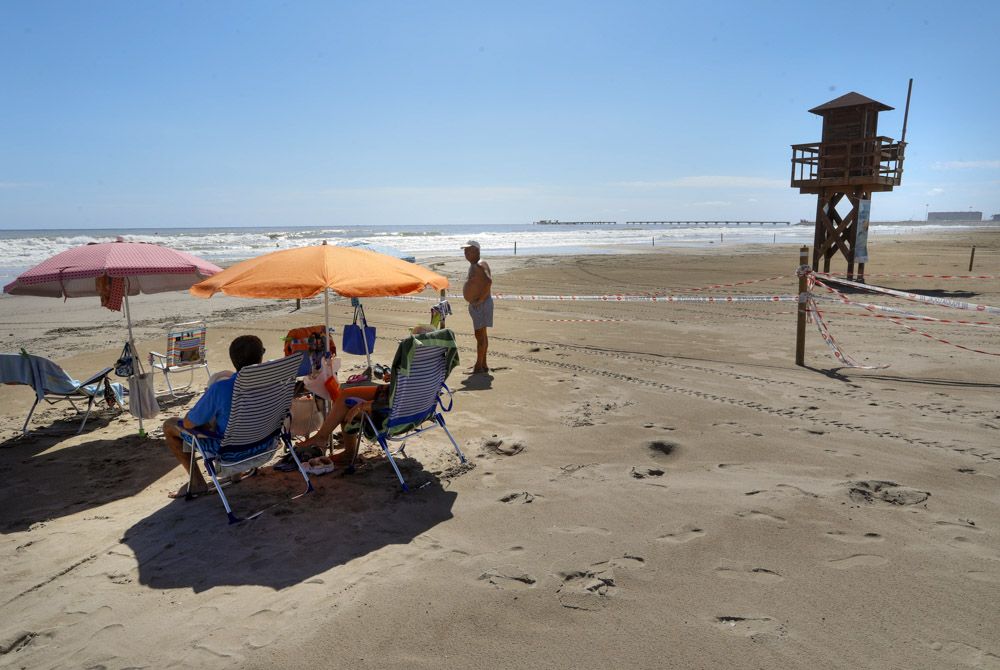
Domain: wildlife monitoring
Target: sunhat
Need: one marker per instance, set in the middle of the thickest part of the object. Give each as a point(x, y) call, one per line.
point(471, 243)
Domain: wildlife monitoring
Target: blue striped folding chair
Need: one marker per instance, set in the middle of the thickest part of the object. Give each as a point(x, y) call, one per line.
point(185, 352)
point(257, 428)
point(416, 393)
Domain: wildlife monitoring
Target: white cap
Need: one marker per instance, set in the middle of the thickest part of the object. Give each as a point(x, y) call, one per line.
point(471, 243)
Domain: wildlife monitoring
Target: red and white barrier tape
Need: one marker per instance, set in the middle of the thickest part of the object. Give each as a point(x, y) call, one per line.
point(907, 275)
point(915, 297)
point(917, 317)
point(894, 313)
point(816, 316)
point(646, 298)
point(622, 298)
point(982, 308)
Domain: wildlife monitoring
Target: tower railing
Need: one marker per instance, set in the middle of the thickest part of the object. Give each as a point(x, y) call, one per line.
point(874, 160)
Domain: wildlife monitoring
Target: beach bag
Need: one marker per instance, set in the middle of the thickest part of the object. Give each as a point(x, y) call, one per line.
point(323, 382)
point(124, 366)
point(356, 336)
point(306, 417)
point(354, 342)
point(141, 397)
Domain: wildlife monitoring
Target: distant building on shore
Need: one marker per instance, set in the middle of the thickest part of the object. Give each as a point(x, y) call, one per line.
point(996, 217)
point(955, 216)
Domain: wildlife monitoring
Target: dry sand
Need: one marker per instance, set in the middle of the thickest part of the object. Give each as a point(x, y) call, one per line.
point(650, 486)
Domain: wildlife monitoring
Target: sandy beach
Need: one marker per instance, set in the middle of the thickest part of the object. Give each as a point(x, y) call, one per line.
point(649, 486)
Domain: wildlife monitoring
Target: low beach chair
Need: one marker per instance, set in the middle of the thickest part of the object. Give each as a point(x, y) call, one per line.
point(185, 353)
point(52, 384)
point(258, 426)
point(419, 370)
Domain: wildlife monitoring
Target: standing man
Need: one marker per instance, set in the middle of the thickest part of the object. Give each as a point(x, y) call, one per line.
point(478, 293)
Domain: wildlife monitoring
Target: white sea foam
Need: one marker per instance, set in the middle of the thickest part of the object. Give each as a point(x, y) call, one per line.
point(20, 250)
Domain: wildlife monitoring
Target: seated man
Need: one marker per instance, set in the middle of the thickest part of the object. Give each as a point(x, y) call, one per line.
point(211, 412)
point(345, 410)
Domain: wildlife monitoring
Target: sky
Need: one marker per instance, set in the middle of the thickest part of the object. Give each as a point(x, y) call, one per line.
point(166, 114)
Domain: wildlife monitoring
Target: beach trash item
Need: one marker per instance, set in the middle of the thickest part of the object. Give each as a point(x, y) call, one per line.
point(52, 384)
point(108, 269)
point(258, 426)
point(141, 396)
point(186, 352)
point(419, 370)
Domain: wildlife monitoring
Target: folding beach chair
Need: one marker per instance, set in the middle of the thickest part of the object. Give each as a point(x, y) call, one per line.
point(185, 353)
point(257, 428)
point(52, 384)
point(419, 369)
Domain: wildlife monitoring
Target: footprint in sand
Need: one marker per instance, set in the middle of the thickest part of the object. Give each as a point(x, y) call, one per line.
point(841, 536)
point(751, 626)
point(686, 534)
point(642, 472)
point(875, 490)
point(501, 447)
point(967, 654)
point(505, 582)
point(661, 448)
point(591, 588)
point(964, 524)
point(857, 561)
point(758, 575)
point(521, 497)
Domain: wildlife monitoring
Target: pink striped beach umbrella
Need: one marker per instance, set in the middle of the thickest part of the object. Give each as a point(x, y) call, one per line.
point(113, 271)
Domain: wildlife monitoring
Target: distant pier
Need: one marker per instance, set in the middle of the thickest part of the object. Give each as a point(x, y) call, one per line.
point(707, 223)
point(547, 222)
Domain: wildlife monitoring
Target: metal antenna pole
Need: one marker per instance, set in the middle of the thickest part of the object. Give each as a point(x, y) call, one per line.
point(906, 114)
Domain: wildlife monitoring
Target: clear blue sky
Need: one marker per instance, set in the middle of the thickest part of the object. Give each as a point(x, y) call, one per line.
point(118, 114)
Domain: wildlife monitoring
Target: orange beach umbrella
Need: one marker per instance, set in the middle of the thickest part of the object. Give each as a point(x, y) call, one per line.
point(308, 271)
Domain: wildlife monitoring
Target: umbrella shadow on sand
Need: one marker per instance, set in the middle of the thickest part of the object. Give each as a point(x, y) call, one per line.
point(188, 544)
point(42, 483)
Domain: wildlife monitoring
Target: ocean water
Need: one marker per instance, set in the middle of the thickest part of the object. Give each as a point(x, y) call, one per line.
point(22, 249)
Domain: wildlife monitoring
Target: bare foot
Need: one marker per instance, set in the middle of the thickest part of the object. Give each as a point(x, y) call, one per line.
point(182, 492)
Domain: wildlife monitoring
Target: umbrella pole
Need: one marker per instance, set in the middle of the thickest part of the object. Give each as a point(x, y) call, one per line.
point(326, 316)
point(364, 338)
point(327, 404)
point(137, 368)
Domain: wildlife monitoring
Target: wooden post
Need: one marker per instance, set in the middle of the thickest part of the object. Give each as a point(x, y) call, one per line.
point(298, 304)
point(800, 330)
point(972, 257)
point(654, 241)
point(515, 247)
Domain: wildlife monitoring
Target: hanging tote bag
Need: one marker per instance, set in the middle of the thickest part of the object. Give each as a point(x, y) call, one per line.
point(141, 397)
point(356, 336)
point(306, 417)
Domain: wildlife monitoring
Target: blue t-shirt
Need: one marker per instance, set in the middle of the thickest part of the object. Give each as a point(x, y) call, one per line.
point(214, 405)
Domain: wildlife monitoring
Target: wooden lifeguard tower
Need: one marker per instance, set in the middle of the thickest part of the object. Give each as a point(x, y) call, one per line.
point(851, 161)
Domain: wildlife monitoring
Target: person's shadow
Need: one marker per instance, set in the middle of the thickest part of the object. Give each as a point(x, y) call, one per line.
point(189, 544)
point(477, 381)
